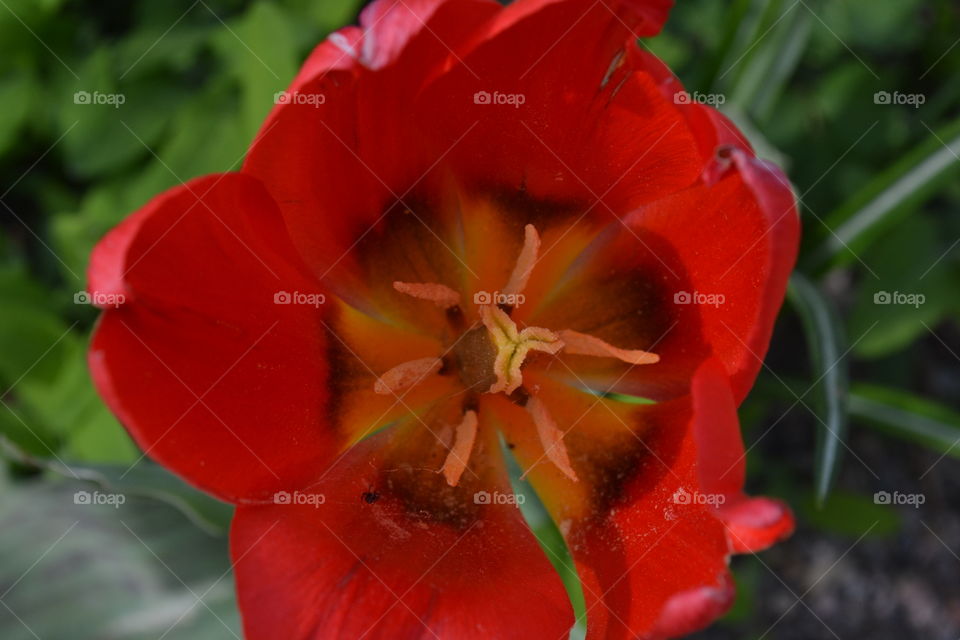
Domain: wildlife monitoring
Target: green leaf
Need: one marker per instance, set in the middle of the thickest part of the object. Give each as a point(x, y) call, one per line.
point(734, 21)
point(125, 572)
point(908, 416)
point(17, 92)
point(325, 16)
point(154, 46)
point(151, 480)
point(89, 111)
point(203, 139)
point(907, 295)
point(143, 478)
point(850, 515)
point(825, 340)
point(69, 407)
point(885, 200)
point(772, 59)
point(259, 50)
point(866, 24)
point(747, 574)
point(206, 137)
point(30, 341)
point(548, 535)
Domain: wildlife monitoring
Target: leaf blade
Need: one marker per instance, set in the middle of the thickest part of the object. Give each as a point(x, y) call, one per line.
point(824, 338)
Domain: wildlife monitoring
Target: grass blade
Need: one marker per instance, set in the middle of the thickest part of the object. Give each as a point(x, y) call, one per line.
point(908, 416)
point(829, 365)
point(884, 200)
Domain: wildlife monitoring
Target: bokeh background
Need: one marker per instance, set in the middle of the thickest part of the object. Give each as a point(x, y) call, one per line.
point(854, 421)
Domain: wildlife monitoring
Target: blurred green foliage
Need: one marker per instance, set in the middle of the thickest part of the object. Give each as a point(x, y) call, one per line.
point(878, 184)
point(197, 80)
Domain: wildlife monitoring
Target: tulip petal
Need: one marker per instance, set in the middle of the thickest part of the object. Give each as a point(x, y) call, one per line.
point(348, 153)
point(658, 507)
point(197, 362)
point(738, 285)
point(382, 557)
point(540, 107)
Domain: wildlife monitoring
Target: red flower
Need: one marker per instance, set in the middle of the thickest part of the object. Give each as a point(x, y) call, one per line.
point(463, 222)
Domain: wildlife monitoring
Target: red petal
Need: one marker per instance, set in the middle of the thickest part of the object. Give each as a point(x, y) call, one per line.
point(390, 25)
point(573, 130)
point(753, 524)
point(694, 609)
point(371, 563)
point(752, 208)
point(652, 14)
point(210, 376)
point(335, 168)
point(647, 562)
point(711, 128)
point(642, 521)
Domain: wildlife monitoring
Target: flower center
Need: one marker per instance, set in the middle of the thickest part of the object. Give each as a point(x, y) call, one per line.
point(489, 358)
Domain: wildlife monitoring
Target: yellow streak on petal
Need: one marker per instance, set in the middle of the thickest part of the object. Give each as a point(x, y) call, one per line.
point(586, 345)
point(459, 455)
point(403, 376)
point(550, 437)
point(439, 294)
point(525, 262)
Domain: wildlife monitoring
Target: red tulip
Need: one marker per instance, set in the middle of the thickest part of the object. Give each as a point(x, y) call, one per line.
point(463, 223)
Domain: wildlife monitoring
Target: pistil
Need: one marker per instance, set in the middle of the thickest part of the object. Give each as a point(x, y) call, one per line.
point(512, 347)
point(492, 357)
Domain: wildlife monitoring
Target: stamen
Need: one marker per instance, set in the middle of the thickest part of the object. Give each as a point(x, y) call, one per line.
point(525, 262)
point(456, 462)
point(512, 347)
point(403, 376)
point(586, 345)
point(439, 294)
point(550, 437)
